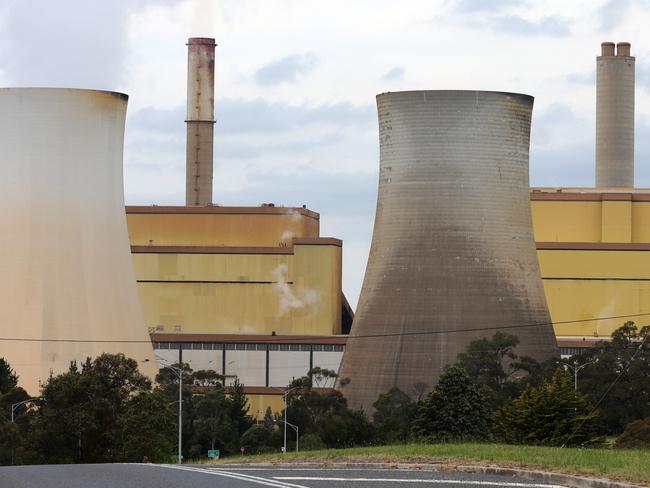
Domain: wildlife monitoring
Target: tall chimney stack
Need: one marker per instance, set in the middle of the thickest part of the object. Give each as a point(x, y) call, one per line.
point(615, 117)
point(200, 121)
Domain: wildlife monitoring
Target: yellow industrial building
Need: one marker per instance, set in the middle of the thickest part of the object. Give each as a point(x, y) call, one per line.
point(266, 270)
point(253, 293)
point(592, 246)
point(236, 270)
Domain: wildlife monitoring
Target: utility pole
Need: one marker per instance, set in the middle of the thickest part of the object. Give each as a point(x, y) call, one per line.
point(180, 405)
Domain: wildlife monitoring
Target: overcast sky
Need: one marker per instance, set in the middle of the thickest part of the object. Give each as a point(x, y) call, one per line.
point(296, 80)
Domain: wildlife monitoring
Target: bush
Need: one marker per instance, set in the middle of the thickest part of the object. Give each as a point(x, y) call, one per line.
point(257, 439)
point(456, 409)
point(553, 414)
point(635, 435)
point(312, 442)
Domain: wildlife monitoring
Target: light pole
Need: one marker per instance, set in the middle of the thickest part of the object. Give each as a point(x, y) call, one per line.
point(285, 415)
point(14, 406)
point(294, 427)
point(178, 372)
point(575, 367)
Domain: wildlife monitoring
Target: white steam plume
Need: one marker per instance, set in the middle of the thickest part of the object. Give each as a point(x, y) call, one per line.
point(288, 299)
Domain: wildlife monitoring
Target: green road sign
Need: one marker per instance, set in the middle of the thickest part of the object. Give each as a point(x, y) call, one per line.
point(213, 453)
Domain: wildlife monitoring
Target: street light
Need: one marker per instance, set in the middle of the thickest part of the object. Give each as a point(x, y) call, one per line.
point(179, 373)
point(575, 367)
point(285, 417)
point(294, 427)
point(14, 406)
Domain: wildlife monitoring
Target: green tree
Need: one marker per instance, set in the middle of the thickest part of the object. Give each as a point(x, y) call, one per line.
point(10, 441)
point(553, 414)
point(207, 377)
point(11, 434)
point(456, 409)
point(494, 365)
point(77, 421)
point(269, 418)
point(394, 413)
point(322, 377)
point(167, 386)
point(326, 414)
point(214, 426)
point(620, 376)
point(239, 407)
point(8, 378)
point(147, 430)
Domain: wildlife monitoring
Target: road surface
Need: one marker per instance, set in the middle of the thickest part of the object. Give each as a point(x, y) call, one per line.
point(205, 476)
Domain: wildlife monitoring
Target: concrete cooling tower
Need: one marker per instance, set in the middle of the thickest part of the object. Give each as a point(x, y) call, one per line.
point(452, 256)
point(67, 276)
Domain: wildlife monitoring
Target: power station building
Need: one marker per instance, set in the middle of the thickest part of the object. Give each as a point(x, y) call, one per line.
point(255, 292)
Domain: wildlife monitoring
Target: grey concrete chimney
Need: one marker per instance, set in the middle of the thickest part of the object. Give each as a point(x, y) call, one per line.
point(200, 121)
point(615, 117)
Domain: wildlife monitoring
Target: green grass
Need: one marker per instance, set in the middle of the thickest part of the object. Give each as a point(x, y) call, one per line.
point(630, 465)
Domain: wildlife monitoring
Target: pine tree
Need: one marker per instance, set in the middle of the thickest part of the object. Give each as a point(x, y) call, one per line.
point(553, 414)
point(239, 407)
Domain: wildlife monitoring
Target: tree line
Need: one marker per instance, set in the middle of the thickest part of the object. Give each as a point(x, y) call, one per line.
point(105, 410)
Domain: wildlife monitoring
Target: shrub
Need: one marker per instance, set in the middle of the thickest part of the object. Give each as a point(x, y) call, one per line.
point(257, 439)
point(312, 442)
point(635, 435)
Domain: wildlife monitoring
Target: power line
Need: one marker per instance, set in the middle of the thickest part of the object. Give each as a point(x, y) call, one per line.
point(285, 340)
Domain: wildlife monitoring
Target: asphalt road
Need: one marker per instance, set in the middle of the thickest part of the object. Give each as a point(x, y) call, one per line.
point(202, 476)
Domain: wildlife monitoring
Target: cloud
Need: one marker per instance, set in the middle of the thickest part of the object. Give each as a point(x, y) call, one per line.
point(584, 78)
point(471, 6)
point(258, 115)
point(72, 43)
point(394, 74)
point(642, 79)
point(612, 13)
point(516, 25)
point(504, 17)
point(286, 69)
point(257, 145)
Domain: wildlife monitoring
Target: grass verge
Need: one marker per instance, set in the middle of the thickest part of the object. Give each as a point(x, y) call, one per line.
point(630, 465)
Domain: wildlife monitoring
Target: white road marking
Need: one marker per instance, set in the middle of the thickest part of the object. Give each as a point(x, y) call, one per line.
point(228, 474)
point(407, 480)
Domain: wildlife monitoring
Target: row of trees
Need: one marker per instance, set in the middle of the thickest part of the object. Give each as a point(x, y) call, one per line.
point(106, 411)
point(491, 393)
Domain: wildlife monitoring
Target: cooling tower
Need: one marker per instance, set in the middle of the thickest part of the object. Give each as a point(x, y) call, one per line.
point(615, 117)
point(68, 289)
point(200, 121)
point(452, 256)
